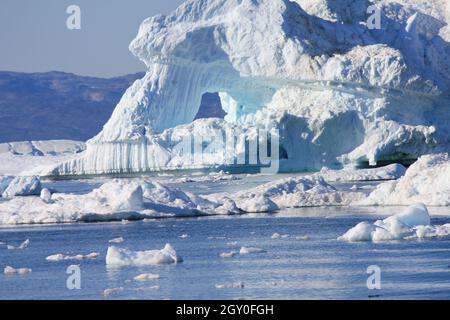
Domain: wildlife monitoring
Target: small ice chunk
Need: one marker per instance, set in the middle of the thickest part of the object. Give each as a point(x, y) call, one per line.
point(147, 277)
point(119, 257)
point(250, 250)
point(302, 238)
point(22, 246)
point(112, 291)
point(279, 236)
point(62, 257)
point(46, 195)
point(230, 254)
point(117, 240)
point(237, 285)
point(184, 236)
point(11, 270)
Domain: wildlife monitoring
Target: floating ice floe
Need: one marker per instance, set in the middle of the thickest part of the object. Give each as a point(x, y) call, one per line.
point(250, 250)
point(62, 257)
point(11, 270)
point(146, 277)
point(426, 181)
point(22, 246)
point(184, 236)
point(413, 223)
point(119, 257)
point(230, 254)
point(117, 240)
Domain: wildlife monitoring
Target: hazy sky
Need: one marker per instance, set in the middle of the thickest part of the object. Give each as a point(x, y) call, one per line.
point(34, 36)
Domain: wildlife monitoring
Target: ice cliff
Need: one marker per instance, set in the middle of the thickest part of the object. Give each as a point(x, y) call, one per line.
point(337, 91)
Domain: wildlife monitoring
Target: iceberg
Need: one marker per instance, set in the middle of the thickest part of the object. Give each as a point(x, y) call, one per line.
point(335, 90)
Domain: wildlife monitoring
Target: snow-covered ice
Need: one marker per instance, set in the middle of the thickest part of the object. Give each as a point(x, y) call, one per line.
point(119, 257)
point(412, 223)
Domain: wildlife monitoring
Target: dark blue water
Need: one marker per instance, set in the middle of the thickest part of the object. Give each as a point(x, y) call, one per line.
point(318, 268)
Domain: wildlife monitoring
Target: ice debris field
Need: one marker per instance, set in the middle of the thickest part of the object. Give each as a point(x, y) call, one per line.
point(27, 200)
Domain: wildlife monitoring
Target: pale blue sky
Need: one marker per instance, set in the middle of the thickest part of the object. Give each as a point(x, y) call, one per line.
point(34, 36)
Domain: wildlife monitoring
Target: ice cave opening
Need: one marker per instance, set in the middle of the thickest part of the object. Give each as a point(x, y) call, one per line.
point(210, 107)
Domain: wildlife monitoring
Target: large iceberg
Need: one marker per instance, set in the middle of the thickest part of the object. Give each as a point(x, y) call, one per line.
point(336, 90)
